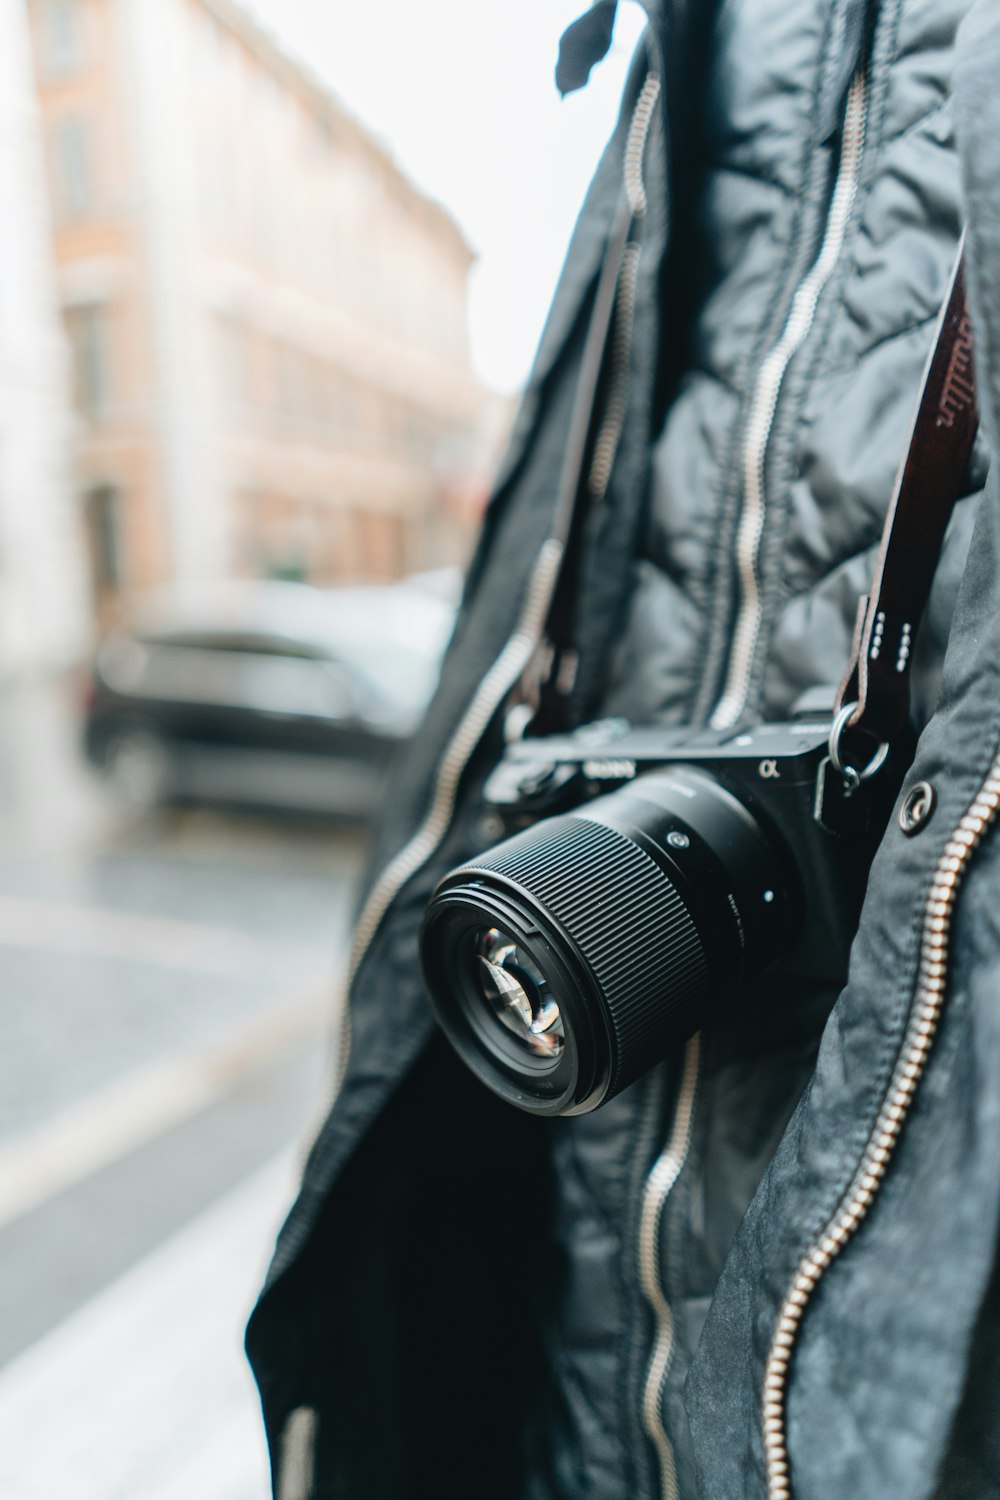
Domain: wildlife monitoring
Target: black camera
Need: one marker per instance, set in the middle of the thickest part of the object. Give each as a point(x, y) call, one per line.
point(649, 875)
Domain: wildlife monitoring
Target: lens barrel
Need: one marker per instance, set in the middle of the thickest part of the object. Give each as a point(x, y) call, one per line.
point(567, 960)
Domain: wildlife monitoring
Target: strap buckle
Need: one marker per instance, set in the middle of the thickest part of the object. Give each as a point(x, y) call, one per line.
point(853, 776)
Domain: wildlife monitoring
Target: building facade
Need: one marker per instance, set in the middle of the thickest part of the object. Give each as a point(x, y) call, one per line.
point(267, 320)
point(44, 603)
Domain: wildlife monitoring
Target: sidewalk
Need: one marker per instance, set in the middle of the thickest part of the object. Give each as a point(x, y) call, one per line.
point(144, 1394)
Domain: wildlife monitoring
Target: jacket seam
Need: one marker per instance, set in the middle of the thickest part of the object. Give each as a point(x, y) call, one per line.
point(844, 366)
point(941, 106)
point(790, 595)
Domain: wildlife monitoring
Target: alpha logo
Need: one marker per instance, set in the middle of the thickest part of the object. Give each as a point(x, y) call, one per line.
point(959, 390)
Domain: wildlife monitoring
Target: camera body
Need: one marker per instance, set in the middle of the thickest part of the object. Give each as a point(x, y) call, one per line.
point(780, 773)
point(648, 874)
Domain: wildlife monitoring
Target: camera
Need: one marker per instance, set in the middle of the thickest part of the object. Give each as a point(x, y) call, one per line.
point(648, 877)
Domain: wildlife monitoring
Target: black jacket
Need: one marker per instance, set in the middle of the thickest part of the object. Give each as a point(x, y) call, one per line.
point(767, 1267)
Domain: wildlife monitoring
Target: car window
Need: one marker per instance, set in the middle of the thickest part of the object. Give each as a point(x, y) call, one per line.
point(286, 685)
point(239, 643)
point(263, 682)
point(375, 658)
point(189, 676)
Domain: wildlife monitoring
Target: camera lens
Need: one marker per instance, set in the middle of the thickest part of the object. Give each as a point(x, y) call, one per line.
point(569, 959)
point(518, 993)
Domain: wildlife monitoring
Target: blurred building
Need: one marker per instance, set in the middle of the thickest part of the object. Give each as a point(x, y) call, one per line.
point(44, 608)
point(267, 320)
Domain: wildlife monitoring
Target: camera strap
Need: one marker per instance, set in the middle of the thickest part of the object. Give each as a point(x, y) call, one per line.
point(874, 696)
point(538, 698)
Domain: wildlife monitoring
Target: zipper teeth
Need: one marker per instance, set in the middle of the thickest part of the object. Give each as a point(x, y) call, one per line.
point(928, 1002)
point(606, 446)
point(609, 437)
point(659, 1185)
point(635, 146)
point(764, 405)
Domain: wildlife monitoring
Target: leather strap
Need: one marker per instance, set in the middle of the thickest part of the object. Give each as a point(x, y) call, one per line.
point(927, 486)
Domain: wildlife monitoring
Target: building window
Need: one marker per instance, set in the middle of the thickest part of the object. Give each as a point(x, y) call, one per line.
point(103, 519)
point(88, 336)
point(235, 362)
point(72, 164)
point(61, 36)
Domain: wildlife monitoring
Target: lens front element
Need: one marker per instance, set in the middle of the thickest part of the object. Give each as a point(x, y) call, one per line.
point(518, 993)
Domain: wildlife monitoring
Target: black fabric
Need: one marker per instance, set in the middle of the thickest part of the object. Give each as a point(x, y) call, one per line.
point(429, 1357)
point(456, 1300)
point(584, 44)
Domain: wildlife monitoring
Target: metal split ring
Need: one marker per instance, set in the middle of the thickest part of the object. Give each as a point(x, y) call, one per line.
point(851, 774)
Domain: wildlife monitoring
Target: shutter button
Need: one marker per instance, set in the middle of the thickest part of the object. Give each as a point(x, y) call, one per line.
point(918, 805)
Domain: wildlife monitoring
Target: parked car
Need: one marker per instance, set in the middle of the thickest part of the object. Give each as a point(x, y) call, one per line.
point(271, 694)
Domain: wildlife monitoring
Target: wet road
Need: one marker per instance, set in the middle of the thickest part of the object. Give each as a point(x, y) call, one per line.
point(168, 1014)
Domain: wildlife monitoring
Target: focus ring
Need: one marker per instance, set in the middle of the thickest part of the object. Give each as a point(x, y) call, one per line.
point(627, 922)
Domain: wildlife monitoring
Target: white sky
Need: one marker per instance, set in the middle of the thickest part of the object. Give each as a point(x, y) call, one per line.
point(462, 93)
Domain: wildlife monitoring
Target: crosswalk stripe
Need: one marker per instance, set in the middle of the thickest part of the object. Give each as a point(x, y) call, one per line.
point(107, 1126)
point(59, 926)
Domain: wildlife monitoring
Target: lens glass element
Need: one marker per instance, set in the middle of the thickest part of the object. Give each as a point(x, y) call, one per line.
point(517, 992)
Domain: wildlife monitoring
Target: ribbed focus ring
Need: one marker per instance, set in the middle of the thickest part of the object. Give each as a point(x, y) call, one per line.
point(627, 921)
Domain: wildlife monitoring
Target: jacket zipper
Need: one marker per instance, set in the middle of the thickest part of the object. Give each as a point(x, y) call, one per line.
point(609, 436)
point(763, 408)
point(932, 981)
point(523, 646)
point(659, 1184)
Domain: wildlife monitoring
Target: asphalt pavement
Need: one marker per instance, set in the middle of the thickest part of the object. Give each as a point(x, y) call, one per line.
point(168, 1015)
